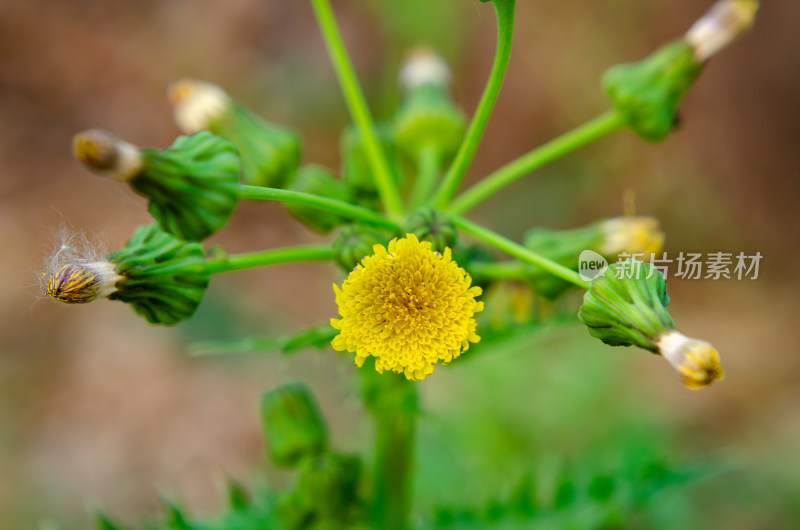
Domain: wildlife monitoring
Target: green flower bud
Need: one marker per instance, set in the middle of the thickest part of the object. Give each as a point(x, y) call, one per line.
point(270, 154)
point(354, 242)
point(628, 306)
point(639, 236)
point(625, 307)
point(427, 119)
point(648, 93)
point(319, 181)
point(292, 424)
point(161, 277)
point(431, 225)
point(355, 164)
point(327, 483)
point(192, 186)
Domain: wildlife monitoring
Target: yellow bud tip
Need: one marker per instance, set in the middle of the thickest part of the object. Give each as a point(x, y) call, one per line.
point(721, 25)
point(106, 154)
point(196, 104)
point(631, 235)
point(696, 361)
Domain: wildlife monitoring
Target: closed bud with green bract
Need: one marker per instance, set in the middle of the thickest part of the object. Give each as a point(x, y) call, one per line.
point(627, 306)
point(292, 424)
point(356, 168)
point(647, 93)
point(192, 186)
point(317, 180)
point(324, 496)
point(427, 119)
point(354, 242)
point(160, 276)
point(631, 235)
point(270, 154)
point(431, 225)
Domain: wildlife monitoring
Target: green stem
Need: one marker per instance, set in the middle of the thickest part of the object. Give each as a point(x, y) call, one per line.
point(518, 251)
point(427, 173)
point(357, 104)
point(345, 209)
point(592, 130)
point(395, 434)
point(273, 256)
point(290, 343)
point(505, 29)
point(499, 270)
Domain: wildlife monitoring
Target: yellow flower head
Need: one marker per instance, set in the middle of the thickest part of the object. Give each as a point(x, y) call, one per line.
point(409, 307)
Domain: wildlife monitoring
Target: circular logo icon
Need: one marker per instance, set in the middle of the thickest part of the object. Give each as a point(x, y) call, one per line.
point(591, 265)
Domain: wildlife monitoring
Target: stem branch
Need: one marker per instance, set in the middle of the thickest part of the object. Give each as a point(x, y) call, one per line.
point(502, 270)
point(505, 28)
point(592, 130)
point(427, 173)
point(518, 251)
point(345, 209)
point(357, 104)
point(273, 256)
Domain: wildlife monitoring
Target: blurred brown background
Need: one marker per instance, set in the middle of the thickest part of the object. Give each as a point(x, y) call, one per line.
point(99, 409)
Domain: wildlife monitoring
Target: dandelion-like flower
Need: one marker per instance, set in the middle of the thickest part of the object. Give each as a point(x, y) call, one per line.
point(409, 307)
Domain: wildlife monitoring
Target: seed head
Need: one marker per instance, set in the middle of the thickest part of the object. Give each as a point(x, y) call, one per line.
point(81, 283)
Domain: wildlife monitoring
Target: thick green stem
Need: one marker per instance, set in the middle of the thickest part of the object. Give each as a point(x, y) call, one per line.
point(427, 174)
point(345, 209)
point(357, 104)
point(394, 452)
point(505, 29)
point(273, 256)
point(518, 251)
point(502, 270)
point(592, 130)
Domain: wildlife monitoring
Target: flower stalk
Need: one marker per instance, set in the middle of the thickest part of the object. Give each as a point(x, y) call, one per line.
point(393, 401)
point(504, 10)
point(356, 102)
point(515, 249)
point(588, 132)
point(428, 168)
point(273, 256)
point(350, 211)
